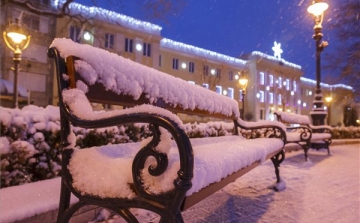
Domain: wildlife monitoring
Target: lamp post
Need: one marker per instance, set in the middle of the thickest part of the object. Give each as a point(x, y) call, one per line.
point(317, 8)
point(328, 99)
point(17, 40)
point(243, 82)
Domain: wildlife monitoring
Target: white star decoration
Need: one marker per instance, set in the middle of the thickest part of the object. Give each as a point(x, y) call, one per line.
point(277, 50)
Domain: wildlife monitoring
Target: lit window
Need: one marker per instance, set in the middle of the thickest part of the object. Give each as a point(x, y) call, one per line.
point(299, 102)
point(147, 49)
point(271, 80)
point(310, 93)
point(287, 83)
point(279, 82)
point(191, 67)
point(206, 86)
point(240, 95)
point(294, 86)
point(109, 40)
point(261, 96)
point(279, 102)
point(271, 98)
point(230, 93)
point(191, 82)
point(218, 89)
point(304, 104)
point(175, 64)
point(129, 45)
point(262, 78)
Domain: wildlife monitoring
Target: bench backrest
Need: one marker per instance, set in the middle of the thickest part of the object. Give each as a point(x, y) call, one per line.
point(291, 118)
point(108, 78)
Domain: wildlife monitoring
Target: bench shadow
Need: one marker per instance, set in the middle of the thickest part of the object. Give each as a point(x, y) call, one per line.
point(238, 205)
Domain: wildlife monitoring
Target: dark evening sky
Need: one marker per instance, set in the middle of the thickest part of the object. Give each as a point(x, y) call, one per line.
point(236, 27)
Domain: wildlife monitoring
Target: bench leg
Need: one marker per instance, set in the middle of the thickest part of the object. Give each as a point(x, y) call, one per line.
point(64, 201)
point(277, 160)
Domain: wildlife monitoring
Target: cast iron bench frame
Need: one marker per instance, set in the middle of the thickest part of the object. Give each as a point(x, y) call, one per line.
point(309, 134)
point(169, 204)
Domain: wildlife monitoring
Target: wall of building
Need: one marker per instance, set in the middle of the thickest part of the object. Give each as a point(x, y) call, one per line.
point(209, 69)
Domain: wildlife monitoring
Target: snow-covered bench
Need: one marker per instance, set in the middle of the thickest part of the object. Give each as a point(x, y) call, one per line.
point(166, 173)
point(300, 131)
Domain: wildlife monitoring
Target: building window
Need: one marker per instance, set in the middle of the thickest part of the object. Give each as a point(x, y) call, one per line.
point(160, 60)
point(32, 21)
point(231, 75)
point(261, 114)
point(279, 82)
point(218, 72)
point(279, 99)
point(175, 64)
point(191, 82)
point(218, 89)
point(261, 78)
point(129, 45)
point(271, 80)
point(109, 41)
point(191, 67)
point(206, 70)
point(75, 34)
point(206, 86)
point(147, 49)
point(261, 96)
point(287, 84)
point(271, 98)
point(230, 92)
point(294, 86)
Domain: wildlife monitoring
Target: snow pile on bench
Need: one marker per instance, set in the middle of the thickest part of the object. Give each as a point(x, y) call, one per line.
point(124, 76)
point(106, 171)
point(292, 118)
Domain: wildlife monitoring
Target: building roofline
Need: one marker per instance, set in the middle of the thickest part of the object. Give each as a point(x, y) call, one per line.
point(183, 47)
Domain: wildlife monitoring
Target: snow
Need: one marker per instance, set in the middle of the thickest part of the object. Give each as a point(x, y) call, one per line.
point(124, 76)
point(323, 190)
point(293, 118)
point(103, 170)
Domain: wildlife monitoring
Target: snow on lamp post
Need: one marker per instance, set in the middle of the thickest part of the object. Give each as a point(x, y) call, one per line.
point(17, 40)
point(328, 99)
point(243, 82)
point(317, 9)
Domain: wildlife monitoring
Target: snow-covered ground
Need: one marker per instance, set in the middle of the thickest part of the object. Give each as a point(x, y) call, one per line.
point(325, 189)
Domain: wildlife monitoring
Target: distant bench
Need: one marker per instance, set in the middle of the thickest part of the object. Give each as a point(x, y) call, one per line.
point(166, 173)
point(301, 132)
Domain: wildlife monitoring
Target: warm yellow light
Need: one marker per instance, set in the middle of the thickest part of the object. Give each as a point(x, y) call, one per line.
point(328, 99)
point(243, 82)
point(318, 8)
point(16, 37)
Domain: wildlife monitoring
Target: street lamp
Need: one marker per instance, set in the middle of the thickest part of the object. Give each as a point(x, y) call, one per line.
point(243, 82)
point(16, 39)
point(317, 8)
point(328, 100)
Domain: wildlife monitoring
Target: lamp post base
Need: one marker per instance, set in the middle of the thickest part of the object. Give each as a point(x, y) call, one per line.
point(318, 117)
